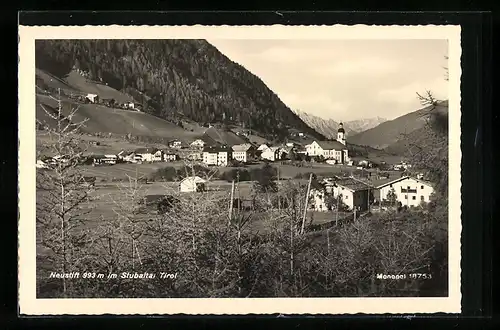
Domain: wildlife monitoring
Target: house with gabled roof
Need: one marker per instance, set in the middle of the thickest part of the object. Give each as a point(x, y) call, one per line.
point(192, 184)
point(354, 193)
point(217, 155)
point(198, 143)
point(243, 152)
point(408, 191)
point(176, 144)
point(149, 154)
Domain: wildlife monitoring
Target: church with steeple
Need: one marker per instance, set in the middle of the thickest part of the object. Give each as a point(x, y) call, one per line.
point(341, 134)
point(336, 149)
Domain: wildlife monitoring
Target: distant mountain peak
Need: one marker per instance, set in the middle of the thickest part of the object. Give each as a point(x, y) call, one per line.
point(326, 127)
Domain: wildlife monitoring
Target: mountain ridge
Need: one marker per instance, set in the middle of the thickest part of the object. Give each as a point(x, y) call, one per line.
point(327, 127)
point(178, 78)
point(391, 131)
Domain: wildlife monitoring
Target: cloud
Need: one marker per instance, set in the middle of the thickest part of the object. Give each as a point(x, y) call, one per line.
point(362, 66)
point(342, 79)
point(408, 93)
point(292, 55)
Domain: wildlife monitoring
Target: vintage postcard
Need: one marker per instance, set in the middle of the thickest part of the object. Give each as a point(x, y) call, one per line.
point(239, 169)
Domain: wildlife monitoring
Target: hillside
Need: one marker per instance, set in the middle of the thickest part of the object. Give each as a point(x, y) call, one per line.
point(361, 125)
point(427, 148)
point(391, 131)
point(101, 119)
point(327, 127)
point(173, 78)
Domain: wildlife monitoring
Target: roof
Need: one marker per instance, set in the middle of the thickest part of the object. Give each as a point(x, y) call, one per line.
point(353, 184)
point(195, 179)
point(242, 147)
point(329, 145)
point(380, 183)
point(146, 150)
point(217, 149)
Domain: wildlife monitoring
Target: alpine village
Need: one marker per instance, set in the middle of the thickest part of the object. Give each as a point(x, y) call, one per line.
point(166, 156)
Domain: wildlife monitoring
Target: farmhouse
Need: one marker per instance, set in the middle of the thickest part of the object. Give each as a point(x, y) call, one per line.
point(273, 153)
point(243, 152)
point(199, 143)
point(262, 147)
point(104, 160)
point(192, 184)
point(129, 105)
point(218, 156)
point(110, 159)
point(169, 157)
point(409, 191)
point(353, 193)
point(318, 200)
point(148, 155)
point(177, 144)
point(93, 98)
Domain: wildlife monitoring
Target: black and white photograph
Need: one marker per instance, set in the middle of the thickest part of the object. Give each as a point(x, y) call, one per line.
point(271, 162)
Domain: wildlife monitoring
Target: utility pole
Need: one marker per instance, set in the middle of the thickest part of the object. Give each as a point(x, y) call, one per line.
point(231, 202)
point(337, 211)
point(305, 208)
point(279, 197)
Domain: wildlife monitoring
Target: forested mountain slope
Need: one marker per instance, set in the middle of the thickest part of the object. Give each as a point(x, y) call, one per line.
point(391, 131)
point(173, 78)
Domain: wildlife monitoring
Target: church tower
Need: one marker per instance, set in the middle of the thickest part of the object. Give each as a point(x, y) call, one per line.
point(341, 134)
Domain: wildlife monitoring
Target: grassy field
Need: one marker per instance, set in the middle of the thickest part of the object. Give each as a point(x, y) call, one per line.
point(109, 197)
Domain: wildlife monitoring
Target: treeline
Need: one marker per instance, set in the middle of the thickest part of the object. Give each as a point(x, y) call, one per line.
point(174, 76)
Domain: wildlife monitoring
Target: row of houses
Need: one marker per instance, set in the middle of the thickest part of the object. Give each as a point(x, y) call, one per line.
point(361, 194)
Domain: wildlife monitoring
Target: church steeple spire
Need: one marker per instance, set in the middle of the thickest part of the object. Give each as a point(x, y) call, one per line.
point(341, 134)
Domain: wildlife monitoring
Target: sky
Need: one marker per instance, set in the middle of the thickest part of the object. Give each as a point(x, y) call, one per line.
point(345, 79)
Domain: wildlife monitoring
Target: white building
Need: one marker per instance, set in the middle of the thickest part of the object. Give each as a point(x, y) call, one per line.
point(329, 150)
point(262, 147)
point(317, 201)
point(129, 105)
point(242, 152)
point(273, 153)
point(217, 156)
point(148, 155)
point(94, 98)
point(199, 143)
point(177, 144)
point(408, 191)
point(110, 159)
point(192, 184)
point(169, 157)
point(353, 193)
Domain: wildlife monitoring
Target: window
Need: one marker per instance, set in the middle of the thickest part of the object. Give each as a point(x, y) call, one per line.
point(346, 197)
point(422, 198)
point(414, 197)
point(390, 185)
point(406, 196)
point(422, 187)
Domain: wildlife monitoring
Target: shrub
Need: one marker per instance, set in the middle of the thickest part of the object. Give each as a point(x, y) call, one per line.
point(167, 173)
